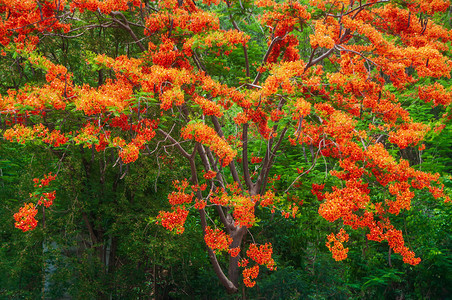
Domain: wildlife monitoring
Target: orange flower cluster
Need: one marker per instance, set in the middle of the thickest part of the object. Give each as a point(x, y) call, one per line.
point(222, 199)
point(316, 188)
point(234, 251)
point(145, 130)
point(217, 239)
point(243, 211)
point(341, 203)
point(47, 199)
point(423, 53)
point(123, 66)
point(281, 19)
point(265, 200)
point(249, 274)
point(210, 175)
point(337, 249)
point(166, 55)
point(209, 108)
point(255, 160)
point(53, 95)
point(120, 122)
point(200, 204)
point(340, 127)
point(395, 20)
point(396, 242)
point(115, 94)
point(180, 197)
point(196, 21)
point(436, 93)
point(45, 181)
point(87, 135)
point(429, 7)
point(55, 138)
point(129, 153)
point(25, 218)
point(229, 39)
point(403, 197)
point(302, 109)
point(243, 262)
point(54, 72)
point(353, 204)
point(172, 96)
point(173, 220)
point(260, 118)
point(26, 19)
point(207, 135)
point(104, 6)
point(326, 33)
point(262, 255)
point(281, 77)
point(21, 134)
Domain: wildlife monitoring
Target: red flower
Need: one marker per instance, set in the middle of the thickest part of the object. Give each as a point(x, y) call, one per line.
point(25, 218)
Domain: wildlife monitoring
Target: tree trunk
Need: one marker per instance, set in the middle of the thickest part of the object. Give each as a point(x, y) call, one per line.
point(233, 270)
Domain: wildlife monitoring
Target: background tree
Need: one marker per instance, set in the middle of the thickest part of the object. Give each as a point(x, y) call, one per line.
point(263, 100)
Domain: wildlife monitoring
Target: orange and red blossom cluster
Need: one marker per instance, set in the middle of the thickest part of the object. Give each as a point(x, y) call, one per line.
point(21, 134)
point(250, 273)
point(27, 18)
point(207, 135)
point(217, 239)
point(265, 200)
point(25, 218)
point(210, 175)
point(200, 204)
point(234, 251)
point(176, 218)
point(337, 249)
point(45, 181)
point(353, 202)
point(316, 190)
point(396, 242)
point(47, 199)
point(262, 255)
point(436, 93)
point(105, 7)
point(255, 159)
point(129, 153)
point(173, 220)
point(92, 134)
point(180, 197)
point(408, 134)
point(243, 211)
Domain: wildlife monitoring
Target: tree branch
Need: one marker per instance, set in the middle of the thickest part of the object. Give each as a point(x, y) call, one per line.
point(246, 170)
point(234, 173)
point(267, 54)
point(202, 213)
point(127, 28)
point(176, 143)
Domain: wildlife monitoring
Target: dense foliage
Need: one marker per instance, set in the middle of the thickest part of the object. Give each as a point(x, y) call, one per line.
point(269, 133)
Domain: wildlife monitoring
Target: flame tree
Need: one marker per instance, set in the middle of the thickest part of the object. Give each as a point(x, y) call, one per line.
point(230, 85)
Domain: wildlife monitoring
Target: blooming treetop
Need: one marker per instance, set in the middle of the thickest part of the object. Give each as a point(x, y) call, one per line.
point(321, 75)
